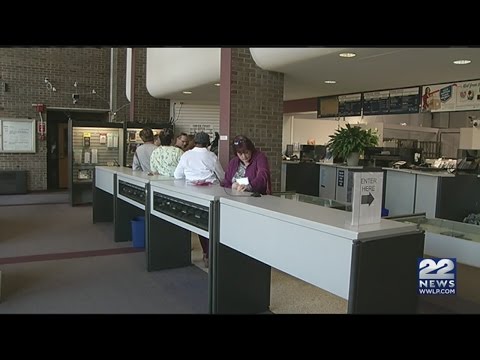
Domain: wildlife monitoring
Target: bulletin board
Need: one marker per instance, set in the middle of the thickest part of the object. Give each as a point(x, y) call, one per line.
point(17, 135)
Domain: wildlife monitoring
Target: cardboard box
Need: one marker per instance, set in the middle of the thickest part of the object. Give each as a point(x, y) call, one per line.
point(434, 104)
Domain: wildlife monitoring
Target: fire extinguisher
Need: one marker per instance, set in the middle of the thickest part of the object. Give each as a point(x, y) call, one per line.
point(42, 128)
point(42, 125)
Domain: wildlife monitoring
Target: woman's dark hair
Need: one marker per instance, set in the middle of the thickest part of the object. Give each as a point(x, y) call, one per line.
point(146, 134)
point(241, 144)
point(166, 137)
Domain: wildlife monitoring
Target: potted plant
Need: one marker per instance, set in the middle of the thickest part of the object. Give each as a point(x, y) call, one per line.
point(349, 141)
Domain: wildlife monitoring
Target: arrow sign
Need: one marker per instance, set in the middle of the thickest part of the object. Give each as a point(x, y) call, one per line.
point(367, 199)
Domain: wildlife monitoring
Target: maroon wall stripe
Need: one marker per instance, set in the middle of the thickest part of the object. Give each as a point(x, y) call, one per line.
point(300, 105)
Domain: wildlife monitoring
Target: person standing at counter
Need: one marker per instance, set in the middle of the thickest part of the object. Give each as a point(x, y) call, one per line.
point(165, 158)
point(191, 142)
point(214, 145)
point(249, 163)
point(200, 166)
point(156, 139)
point(182, 141)
point(141, 159)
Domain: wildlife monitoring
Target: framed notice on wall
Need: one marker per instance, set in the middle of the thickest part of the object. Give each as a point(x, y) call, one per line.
point(17, 135)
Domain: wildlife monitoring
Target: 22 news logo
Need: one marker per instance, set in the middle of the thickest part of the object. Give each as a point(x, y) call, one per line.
point(437, 276)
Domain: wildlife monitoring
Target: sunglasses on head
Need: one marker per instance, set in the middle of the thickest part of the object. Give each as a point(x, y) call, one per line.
point(237, 142)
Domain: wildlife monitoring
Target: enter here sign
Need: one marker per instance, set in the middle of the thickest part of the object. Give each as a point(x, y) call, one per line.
point(367, 198)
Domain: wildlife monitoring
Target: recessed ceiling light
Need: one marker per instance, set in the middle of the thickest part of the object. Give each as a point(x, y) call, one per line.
point(462, 62)
point(217, 84)
point(330, 82)
point(187, 92)
point(347, 55)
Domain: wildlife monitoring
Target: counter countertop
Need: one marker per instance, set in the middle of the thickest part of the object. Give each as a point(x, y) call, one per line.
point(436, 173)
point(322, 163)
point(328, 220)
point(132, 174)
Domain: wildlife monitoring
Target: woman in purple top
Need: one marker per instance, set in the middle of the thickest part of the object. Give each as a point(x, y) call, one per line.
point(248, 163)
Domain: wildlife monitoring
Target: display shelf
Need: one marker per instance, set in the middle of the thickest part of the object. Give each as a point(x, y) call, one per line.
point(91, 144)
point(448, 239)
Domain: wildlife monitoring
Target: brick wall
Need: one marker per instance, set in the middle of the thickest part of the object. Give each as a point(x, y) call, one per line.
point(257, 108)
point(147, 108)
point(24, 71)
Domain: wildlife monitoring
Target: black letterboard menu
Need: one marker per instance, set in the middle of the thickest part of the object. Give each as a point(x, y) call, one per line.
point(405, 101)
point(350, 105)
point(376, 102)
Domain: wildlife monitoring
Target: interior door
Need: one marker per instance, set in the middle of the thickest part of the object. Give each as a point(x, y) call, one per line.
point(63, 155)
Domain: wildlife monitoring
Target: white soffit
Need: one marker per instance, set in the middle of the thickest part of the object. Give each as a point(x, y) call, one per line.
point(172, 70)
point(274, 59)
point(128, 82)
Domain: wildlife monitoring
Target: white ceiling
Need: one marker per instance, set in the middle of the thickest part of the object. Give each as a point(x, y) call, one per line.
point(306, 69)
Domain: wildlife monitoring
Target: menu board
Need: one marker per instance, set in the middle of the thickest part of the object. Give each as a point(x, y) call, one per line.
point(350, 105)
point(327, 106)
point(404, 101)
point(459, 96)
point(17, 135)
point(376, 102)
point(396, 101)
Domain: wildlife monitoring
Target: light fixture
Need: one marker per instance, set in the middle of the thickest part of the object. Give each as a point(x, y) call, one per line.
point(217, 84)
point(462, 62)
point(330, 82)
point(187, 92)
point(347, 55)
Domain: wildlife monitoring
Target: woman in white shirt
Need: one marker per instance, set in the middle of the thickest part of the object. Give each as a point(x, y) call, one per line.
point(200, 165)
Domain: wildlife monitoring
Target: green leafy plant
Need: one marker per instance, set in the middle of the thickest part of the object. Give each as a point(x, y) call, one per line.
point(350, 139)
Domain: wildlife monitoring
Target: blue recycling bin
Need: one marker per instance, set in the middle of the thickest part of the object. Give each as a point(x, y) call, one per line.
point(138, 232)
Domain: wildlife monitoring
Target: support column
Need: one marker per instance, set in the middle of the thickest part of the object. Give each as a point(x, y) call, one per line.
point(251, 104)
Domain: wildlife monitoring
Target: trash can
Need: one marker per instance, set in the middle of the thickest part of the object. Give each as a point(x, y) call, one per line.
point(138, 232)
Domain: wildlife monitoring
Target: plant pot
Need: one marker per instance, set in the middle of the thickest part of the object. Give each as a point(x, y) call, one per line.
point(352, 159)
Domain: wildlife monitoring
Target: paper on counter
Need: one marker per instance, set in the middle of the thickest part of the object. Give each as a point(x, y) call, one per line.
point(242, 181)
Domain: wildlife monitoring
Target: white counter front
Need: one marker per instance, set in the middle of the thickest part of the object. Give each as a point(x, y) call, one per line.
point(304, 240)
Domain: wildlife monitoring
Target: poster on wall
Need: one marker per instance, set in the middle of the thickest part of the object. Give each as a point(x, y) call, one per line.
point(468, 95)
point(438, 97)
point(457, 96)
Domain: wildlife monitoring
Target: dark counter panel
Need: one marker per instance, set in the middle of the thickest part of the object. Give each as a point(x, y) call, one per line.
point(303, 178)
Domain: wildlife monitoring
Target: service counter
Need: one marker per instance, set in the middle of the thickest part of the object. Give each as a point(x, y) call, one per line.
point(325, 180)
point(178, 208)
point(317, 245)
point(104, 192)
point(415, 191)
point(131, 200)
